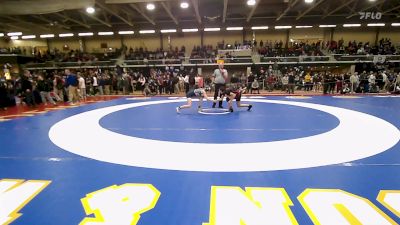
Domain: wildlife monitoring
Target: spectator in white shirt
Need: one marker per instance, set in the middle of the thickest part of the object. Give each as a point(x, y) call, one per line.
point(285, 82)
point(186, 82)
point(81, 87)
point(95, 84)
point(354, 81)
point(371, 79)
point(386, 82)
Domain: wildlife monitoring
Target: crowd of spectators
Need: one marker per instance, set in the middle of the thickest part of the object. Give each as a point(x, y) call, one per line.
point(207, 52)
point(202, 52)
point(210, 54)
point(383, 47)
point(299, 79)
point(143, 53)
point(56, 55)
point(13, 50)
point(60, 56)
point(35, 87)
point(266, 49)
point(52, 86)
point(278, 49)
point(343, 83)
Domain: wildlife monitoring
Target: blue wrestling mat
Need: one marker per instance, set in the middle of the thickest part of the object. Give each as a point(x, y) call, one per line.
point(299, 160)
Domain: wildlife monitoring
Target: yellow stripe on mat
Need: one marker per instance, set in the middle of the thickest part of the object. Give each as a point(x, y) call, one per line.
point(17, 115)
point(36, 112)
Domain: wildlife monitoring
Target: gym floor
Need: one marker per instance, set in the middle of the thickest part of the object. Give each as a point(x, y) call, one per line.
point(88, 160)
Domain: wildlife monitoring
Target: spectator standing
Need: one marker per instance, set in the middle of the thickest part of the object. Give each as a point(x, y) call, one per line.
point(3, 95)
point(107, 84)
point(307, 81)
point(100, 80)
point(372, 82)
point(126, 83)
point(160, 84)
point(95, 84)
point(72, 85)
point(250, 80)
point(82, 87)
point(397, 81)
point(26, 89)
point(270, 82)
point(58, 88)
point(186, 82)
point(243, 80)
point(142, 82)
point(285, 82)
point(199, 81)
point(317, 82)
point(255, 86)
point(386, 82)
point(291, 83)
point(181, 83)
point(44, 88)
point(339, 83)
point(354, 81)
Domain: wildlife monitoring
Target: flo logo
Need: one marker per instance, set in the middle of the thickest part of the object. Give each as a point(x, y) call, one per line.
point(370, 15)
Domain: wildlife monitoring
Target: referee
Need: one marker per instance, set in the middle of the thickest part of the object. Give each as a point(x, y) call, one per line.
point(220, 76)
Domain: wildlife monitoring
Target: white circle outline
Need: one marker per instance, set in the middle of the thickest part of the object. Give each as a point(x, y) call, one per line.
point(257, 97)
point(206, 111)
point(298, 97)
point(139, 98)
point(346, 97)
point(353, 139)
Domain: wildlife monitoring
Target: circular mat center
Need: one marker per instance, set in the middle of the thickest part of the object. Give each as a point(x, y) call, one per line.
point(265, 123)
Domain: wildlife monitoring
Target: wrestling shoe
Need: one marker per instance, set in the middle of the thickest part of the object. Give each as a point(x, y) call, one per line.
point(178, 109)
point(249, 107)
point(231, 110)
